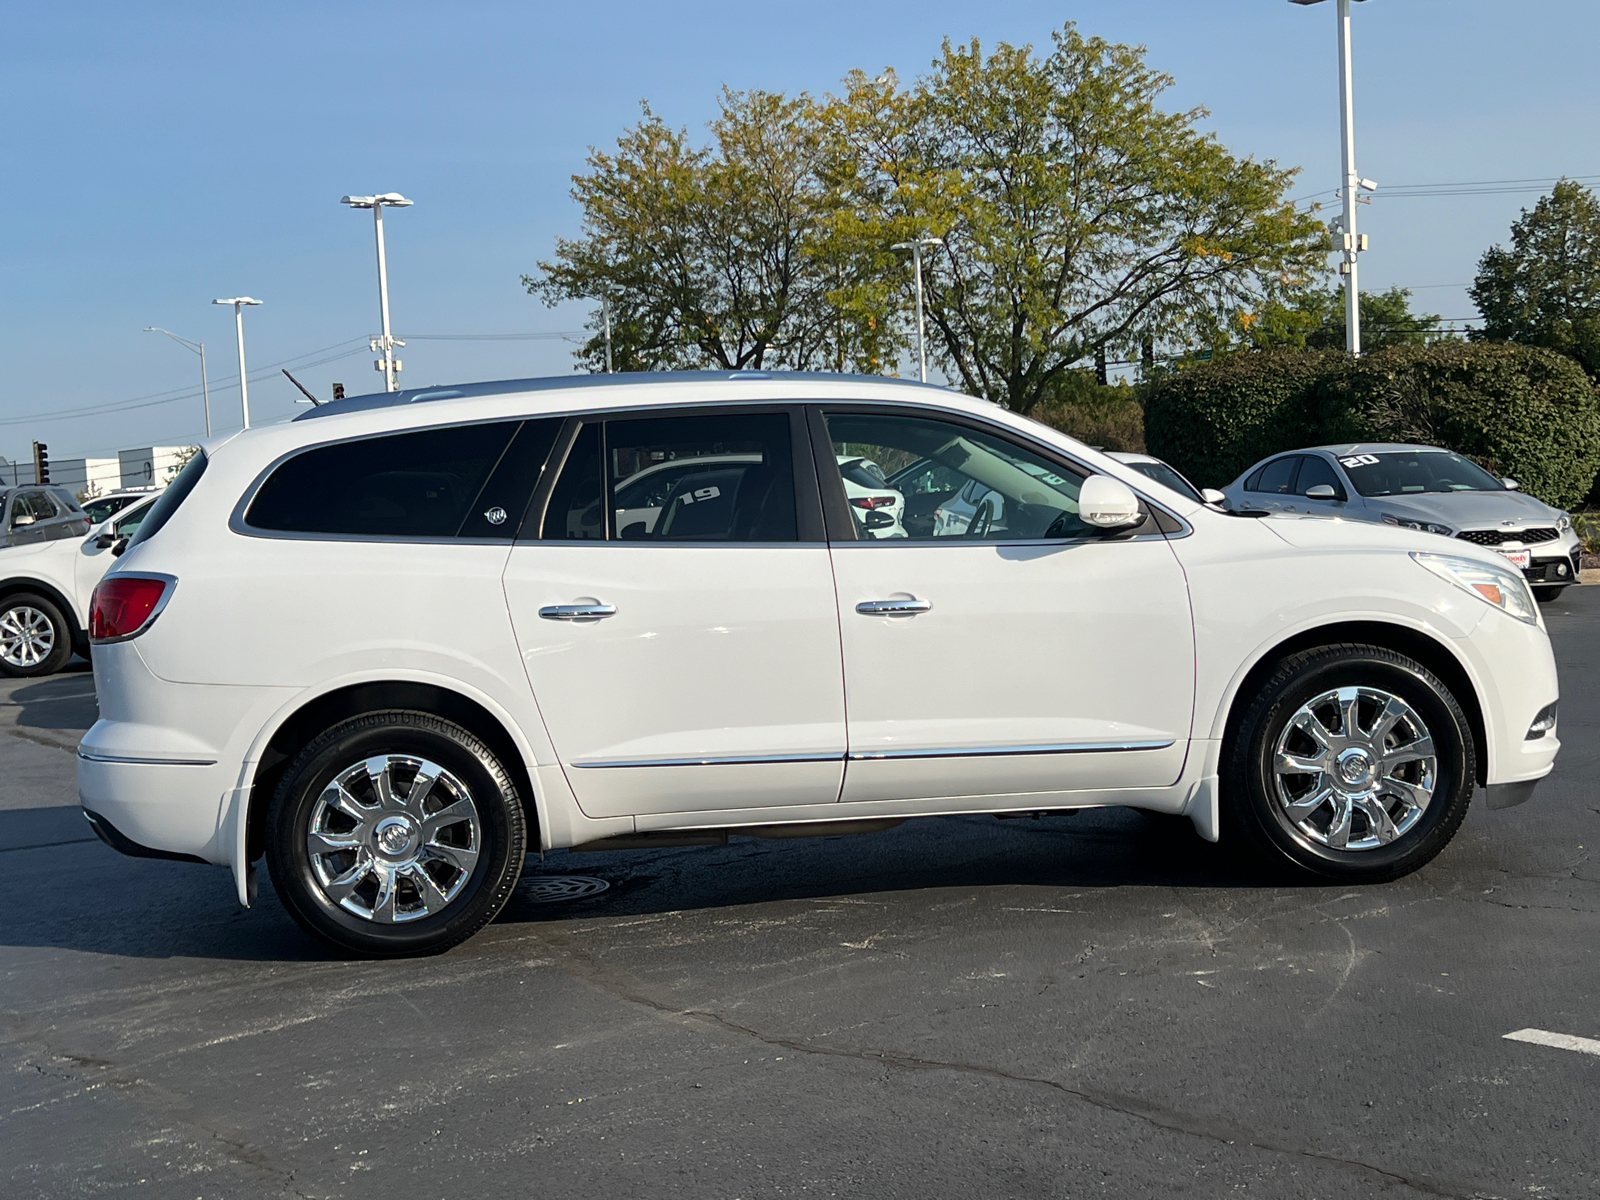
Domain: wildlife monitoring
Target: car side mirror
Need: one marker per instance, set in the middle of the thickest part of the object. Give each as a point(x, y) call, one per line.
point(1108, 503)
point(1511, 485)
point(1321, 491)
point(1214, 496)
point(105, 541)
point(122, 544)
point(878, 520)
point(21, 519)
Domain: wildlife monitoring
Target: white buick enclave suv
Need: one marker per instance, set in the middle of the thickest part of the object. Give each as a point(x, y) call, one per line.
point(397, 643)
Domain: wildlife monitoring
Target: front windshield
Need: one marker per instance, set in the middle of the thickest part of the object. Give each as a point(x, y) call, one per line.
point(99, 510)
point(1167, 477)
point(1413, 473)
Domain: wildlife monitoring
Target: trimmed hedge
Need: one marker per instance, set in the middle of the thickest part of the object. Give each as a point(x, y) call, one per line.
point(1518, 410)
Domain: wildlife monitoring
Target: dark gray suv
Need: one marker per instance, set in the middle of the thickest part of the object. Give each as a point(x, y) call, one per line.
point(40, 514)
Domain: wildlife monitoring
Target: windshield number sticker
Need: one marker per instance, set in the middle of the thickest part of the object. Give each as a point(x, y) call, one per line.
point(701, 495)
point(1360, 460)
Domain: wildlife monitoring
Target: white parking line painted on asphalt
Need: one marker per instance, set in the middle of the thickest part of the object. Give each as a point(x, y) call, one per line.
point(1561, 1041)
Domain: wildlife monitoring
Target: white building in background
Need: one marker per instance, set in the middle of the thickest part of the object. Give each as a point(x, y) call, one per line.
point(143, 467)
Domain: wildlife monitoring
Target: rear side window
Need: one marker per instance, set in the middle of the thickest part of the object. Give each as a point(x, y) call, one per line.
point(419, 484)
point(167, 503)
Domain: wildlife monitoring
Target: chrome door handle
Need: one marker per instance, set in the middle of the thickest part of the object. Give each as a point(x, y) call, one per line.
point(577, 612)
point(881, 608)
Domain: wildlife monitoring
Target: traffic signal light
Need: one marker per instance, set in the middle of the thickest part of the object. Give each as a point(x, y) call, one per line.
point(338, 391)
point(41, 463)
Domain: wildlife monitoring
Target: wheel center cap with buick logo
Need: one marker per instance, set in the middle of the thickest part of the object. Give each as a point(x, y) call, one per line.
point(1355, 768)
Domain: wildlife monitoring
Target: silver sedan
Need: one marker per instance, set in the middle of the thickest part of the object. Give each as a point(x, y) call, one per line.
point(1418, 487)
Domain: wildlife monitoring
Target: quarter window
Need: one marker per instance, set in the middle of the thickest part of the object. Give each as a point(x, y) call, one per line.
point(943, 480)
point(419, 484)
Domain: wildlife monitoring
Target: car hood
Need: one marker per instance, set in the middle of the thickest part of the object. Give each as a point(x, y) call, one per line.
point(1467, 510)
point(1339, 535)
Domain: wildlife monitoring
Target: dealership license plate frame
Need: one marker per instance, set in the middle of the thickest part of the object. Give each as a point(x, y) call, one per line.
point(1520, 559)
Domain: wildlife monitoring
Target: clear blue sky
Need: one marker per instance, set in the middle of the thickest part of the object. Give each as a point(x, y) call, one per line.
point(159, 155)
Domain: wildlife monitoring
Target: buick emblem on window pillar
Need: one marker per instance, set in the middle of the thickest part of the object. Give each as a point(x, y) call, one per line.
point(495, 516)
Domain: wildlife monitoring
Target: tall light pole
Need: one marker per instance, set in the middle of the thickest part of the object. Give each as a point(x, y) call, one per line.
point(200, 349)
point(1351, 243)
point(915, 246)
point(388, 364)
point(238, 303)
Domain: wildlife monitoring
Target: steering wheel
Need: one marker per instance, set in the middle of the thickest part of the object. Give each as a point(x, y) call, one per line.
point(981, 521)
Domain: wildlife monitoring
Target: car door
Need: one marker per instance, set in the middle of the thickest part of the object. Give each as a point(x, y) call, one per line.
point(96, 555)
point(1272, 487)
point(692, 662)
point(1024, 655)
point(1316, 471)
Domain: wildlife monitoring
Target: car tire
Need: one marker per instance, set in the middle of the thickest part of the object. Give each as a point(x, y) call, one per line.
point(1389, 806)
point(35, 636)
point(378, 874)
point(1544, 595)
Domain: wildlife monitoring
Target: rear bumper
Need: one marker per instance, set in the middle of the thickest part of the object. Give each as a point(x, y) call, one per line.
point(123, 844)
point(163, 808)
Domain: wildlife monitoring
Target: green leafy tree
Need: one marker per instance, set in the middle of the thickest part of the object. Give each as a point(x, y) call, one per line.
point(1545, 289)
point(727, 256)
point(1313, 319)
point(1076, 214)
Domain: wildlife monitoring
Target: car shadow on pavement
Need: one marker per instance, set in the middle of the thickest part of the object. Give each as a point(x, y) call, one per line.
point(63, 701)
point(153, 909)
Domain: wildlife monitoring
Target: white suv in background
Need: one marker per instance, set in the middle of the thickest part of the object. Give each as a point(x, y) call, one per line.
point(399, 642)
point(45, 589)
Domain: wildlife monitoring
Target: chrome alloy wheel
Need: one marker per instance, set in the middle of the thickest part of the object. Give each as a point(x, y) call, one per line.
point(1355, 768)
point(26, 636)
point(394, 838)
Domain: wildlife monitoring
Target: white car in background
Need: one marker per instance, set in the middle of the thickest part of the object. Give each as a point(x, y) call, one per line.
point(366, 647)
point(872, 498)
point(45, 590)
point(1167, 475)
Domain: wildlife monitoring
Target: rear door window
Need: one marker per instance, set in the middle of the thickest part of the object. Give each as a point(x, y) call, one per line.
point(1277, 477)
point(425, 483)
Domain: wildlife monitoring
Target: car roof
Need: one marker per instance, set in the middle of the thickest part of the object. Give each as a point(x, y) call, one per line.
point(1380, 448)
point(555, 383)
point(1128, 456)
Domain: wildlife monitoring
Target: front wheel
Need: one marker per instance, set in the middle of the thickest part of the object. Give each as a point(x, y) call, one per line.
point(1353, 763)
point(1544, 595)
point(395, 833)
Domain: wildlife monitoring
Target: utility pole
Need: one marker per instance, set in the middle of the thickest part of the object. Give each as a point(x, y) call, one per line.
point(605, 315)
point(915, 246)
point(200, 349)
point(386, 342)
point(1346, 238)
point(238, 303)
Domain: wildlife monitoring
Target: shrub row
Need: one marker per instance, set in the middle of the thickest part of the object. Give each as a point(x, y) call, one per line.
point(1518, 410)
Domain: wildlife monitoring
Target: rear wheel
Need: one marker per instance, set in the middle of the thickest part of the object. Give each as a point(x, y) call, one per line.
point(35, 638)
point(1353, 763)
point(395, 833)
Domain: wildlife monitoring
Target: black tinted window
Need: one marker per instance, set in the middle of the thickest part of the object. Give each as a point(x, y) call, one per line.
point(574, 510)
point(504, 499)
point(167, 503)
point(1277, 476)
point(1313, 471)
point(723, 478)
point(419, 484)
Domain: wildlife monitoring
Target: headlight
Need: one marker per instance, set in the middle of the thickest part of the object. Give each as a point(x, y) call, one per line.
point(1496, 585)
point(1563, 523)
point(1420, 526)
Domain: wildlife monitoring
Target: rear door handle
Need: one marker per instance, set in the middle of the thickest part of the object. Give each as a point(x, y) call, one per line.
point(577, 612)
point(881, 608)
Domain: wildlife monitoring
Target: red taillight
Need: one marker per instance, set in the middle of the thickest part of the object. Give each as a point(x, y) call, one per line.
point(123, 605)
point(873, 501)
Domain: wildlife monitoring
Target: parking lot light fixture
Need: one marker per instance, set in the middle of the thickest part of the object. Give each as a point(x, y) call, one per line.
point(200, 349)
point(388, 364)
point(915, 246)
point(1347, 240)
point(239, 303)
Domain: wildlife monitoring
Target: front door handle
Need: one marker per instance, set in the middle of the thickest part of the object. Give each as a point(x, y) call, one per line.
point(890, 608)
point(577, 612)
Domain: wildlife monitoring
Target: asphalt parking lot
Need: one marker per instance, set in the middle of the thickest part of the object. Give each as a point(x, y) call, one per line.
point(1099, 1005)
